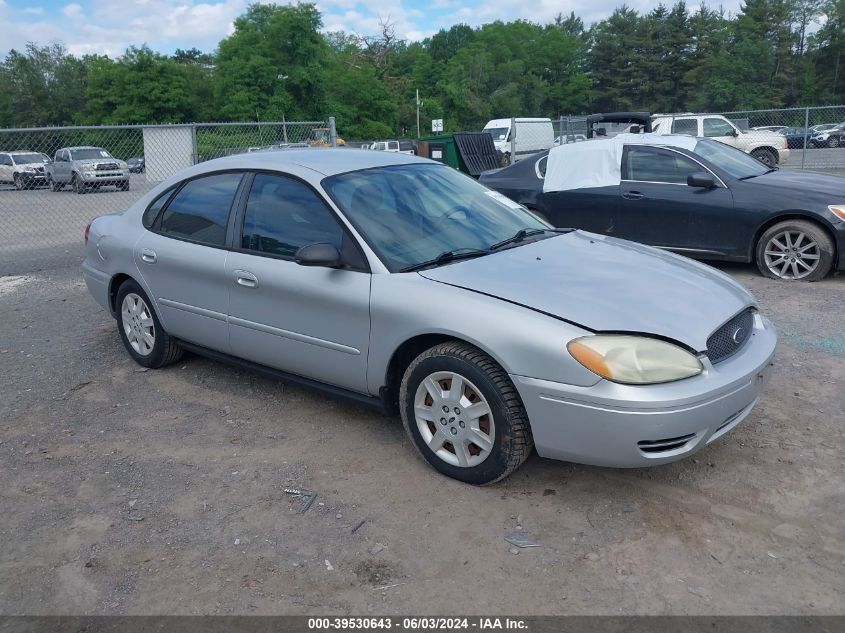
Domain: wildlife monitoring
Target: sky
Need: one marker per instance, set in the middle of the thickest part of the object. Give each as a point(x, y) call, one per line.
point(109, 27)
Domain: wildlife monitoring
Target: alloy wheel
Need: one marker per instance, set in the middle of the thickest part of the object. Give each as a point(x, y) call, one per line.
point(454, 419)
point(792, 255)
point(138, 324)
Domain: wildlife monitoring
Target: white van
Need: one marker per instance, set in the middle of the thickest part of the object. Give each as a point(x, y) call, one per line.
point(531, 135)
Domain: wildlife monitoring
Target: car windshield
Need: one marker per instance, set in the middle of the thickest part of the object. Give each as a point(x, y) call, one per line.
point(89, 153)
point(26, 159)
point(499, 133)
point(735, 162)
point(410, 214)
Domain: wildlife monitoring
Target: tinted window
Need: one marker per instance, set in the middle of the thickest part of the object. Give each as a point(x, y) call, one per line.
point(717, 127)
point(152, 211)
point(685, 126)
point(5, 160)
point(200, 211)
point(283, 215)
point(650, 165)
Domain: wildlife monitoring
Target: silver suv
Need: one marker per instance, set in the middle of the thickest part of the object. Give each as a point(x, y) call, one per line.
point(86, 167)
point(25, 170)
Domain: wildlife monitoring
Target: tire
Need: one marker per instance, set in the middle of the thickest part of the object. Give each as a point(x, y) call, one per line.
point(54, 186)
point(765, 156)
point(77, 185)
point(505, 159)
point(504, 434)
point(130, 324)
point(833, 141)
point(795, 245)
point(18, 182)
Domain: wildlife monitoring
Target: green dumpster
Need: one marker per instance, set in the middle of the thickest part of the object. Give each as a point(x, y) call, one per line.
point(441, 148)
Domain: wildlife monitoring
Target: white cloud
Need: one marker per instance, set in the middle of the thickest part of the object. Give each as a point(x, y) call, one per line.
point(72, 10)
point(34, 10)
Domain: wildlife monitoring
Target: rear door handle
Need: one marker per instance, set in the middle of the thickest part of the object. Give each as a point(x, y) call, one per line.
point(633, 195)
point(148, 255)
point(246, 279)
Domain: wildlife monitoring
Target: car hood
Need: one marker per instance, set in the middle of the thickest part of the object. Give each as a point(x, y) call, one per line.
point(801, 184)
point(606, 284)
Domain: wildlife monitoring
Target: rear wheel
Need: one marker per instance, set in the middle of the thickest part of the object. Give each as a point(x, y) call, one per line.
point(765, 156)
point(795, 250)
point(833, 141)
point(463, 414)
point(140, 330)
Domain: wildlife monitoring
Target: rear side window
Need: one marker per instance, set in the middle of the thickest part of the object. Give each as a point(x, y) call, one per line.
point(200, 210)
point(153, 210)
point(685, 126)
point(283, 215)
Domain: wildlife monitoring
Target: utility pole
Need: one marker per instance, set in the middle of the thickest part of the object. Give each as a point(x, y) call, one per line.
point(418, 112)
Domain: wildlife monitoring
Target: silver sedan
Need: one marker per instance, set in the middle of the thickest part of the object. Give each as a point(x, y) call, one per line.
point(401, 283)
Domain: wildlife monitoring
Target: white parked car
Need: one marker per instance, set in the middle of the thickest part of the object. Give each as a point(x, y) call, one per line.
point(25, 170)
point(767, 147)
point(529, 136)
point(397, 147)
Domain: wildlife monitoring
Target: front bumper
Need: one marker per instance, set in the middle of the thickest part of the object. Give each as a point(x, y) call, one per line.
point(32, 178)
point(783, 156)
point(111, 177)
point(628, 426)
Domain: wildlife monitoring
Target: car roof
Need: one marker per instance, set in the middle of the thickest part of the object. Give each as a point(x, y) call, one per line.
point(325, 161)
point(22, 151)
point(79, 147)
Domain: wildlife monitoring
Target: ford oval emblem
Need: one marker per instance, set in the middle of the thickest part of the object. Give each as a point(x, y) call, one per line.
point(738, 335)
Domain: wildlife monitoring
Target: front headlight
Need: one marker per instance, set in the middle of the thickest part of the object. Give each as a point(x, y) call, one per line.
point(634, 360)
point(122, 165)
point(838, 210)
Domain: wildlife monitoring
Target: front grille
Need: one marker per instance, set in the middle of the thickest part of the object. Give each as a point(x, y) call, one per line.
point(729, 339)
point(106, 166)
point(664, 445)
point(39, 169)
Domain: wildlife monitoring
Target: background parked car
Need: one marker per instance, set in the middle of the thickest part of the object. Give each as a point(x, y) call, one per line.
point(829, 137)
point(398, 147)
point(24, 169)
point(532, 135)
point(136, 165)
point(693, 196)
point(796, 137)
point(767, 147)
point(85, 167)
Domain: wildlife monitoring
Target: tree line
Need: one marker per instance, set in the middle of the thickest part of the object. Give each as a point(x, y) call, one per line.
point(278, 64)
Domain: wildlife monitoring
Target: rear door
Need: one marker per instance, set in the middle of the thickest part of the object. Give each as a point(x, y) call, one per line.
point(183, 259)
point(657, 207)
point(309, 321)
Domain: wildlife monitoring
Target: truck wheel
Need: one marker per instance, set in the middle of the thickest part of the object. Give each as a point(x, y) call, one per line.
point(505, 159)
point(77, 185)
point(795, 250)
point(765, 156)
point(54, 186)
point(463, 414)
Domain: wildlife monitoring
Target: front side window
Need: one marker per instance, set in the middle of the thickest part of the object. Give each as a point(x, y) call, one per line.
point(283, 215)
point(413, 213)
point(685, 126)
point(718, 127)
point(737, 163)
point(647, 164)
point(200, 210)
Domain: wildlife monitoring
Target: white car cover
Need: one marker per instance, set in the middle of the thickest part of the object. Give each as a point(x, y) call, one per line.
point(598, 163)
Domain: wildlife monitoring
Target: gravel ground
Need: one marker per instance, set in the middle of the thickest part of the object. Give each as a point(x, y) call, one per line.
point(127, 491)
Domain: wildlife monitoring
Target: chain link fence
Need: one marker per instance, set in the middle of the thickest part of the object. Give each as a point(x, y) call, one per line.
point(53, 181)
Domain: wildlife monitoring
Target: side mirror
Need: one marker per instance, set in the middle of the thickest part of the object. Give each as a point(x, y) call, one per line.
point(701, 179)
point(319, 254)
point(601, 132)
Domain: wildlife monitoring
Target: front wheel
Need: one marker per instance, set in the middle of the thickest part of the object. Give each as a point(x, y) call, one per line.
point(833, 141)
point(795, 250)
point(77, 184)
point(765, 156)
point(19, 185)
point(54, 186)
point(463, 414)
point(140, 330)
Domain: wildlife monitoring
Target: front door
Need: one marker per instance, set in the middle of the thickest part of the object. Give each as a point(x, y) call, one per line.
point(183, 260)
point(309, 321)
point(658, 207)
point(6, 170)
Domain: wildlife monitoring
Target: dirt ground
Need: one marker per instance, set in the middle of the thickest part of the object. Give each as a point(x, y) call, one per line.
point(126, 491)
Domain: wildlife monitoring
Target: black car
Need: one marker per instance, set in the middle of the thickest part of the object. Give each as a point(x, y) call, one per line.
point(136, 164)
point(797, 137)
point(709, 202)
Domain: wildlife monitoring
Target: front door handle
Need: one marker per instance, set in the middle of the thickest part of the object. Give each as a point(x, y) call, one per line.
point(246, 279)
point(633, 195)
point(148, 255)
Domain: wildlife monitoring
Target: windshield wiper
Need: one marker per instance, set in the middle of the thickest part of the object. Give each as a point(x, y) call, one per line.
point(445, 257)
point(521, 234)
point(768, 171)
